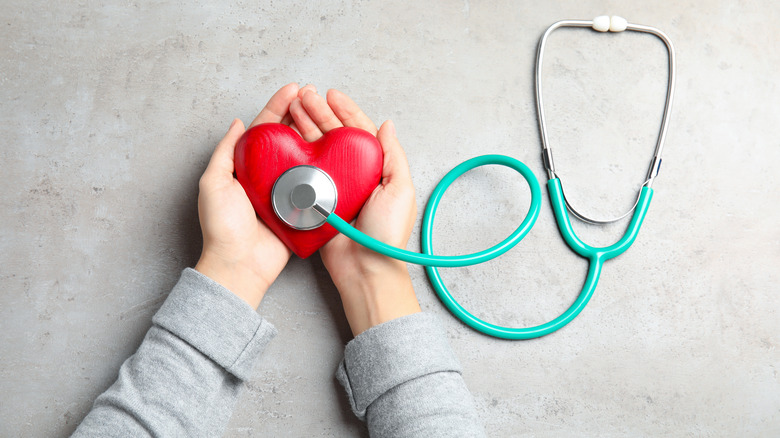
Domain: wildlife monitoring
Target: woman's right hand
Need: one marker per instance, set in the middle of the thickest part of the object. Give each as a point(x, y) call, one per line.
point(373, 288)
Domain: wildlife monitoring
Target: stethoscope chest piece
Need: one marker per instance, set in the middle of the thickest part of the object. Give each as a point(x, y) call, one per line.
point(303, 197)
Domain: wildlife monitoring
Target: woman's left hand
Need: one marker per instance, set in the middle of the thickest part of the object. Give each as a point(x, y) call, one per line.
point(239, 251)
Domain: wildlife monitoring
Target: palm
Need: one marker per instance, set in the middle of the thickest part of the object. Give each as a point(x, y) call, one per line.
point(241, 234)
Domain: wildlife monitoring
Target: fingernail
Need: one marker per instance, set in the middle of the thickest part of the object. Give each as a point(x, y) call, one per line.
point(391, 127)
point(233, 124)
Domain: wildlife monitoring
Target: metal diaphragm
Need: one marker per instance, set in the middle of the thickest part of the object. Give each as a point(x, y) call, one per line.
point(301, 196)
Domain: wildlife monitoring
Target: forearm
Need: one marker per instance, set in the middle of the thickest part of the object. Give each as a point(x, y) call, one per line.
point(186, 375)
point(402, 377)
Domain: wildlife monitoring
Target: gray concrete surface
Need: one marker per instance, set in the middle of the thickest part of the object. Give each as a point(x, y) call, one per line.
point(110, 111)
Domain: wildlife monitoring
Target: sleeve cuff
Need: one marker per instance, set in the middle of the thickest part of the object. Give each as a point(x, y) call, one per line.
point(215, 322)
point(392, 353)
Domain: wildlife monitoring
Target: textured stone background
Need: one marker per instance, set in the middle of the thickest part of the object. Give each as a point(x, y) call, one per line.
point(110, 110)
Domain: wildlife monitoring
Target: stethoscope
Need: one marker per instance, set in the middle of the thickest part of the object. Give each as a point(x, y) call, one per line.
point(304, 197)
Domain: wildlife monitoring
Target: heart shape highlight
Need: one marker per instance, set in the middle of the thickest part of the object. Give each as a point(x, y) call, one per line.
point(352, 157)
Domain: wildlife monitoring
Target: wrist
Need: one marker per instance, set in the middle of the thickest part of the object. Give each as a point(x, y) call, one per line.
point(235, 277)
point(374, 296)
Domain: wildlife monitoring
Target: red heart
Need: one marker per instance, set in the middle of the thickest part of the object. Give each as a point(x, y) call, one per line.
point(352, 157)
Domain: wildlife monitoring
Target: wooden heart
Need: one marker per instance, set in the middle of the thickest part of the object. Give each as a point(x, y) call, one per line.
point(352, 157)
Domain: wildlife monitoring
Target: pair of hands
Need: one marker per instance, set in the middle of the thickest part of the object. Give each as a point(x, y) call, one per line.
point(242, 254)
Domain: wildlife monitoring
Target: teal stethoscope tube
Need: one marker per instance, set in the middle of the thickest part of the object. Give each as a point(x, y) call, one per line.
point(427, 258)
point(595, 256)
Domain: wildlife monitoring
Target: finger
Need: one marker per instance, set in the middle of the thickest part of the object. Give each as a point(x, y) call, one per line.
point(349, 112)
point(221, 162)
point(306, 126)
point(320, 112)
point(277, 106)
point(395, 168)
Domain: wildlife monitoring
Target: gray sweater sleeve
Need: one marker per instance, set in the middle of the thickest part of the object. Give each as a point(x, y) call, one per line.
point(402, 377)
point(186, 375)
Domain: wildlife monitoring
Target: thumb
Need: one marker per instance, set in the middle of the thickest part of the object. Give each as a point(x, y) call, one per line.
point(221, 162)
point(395, 168)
